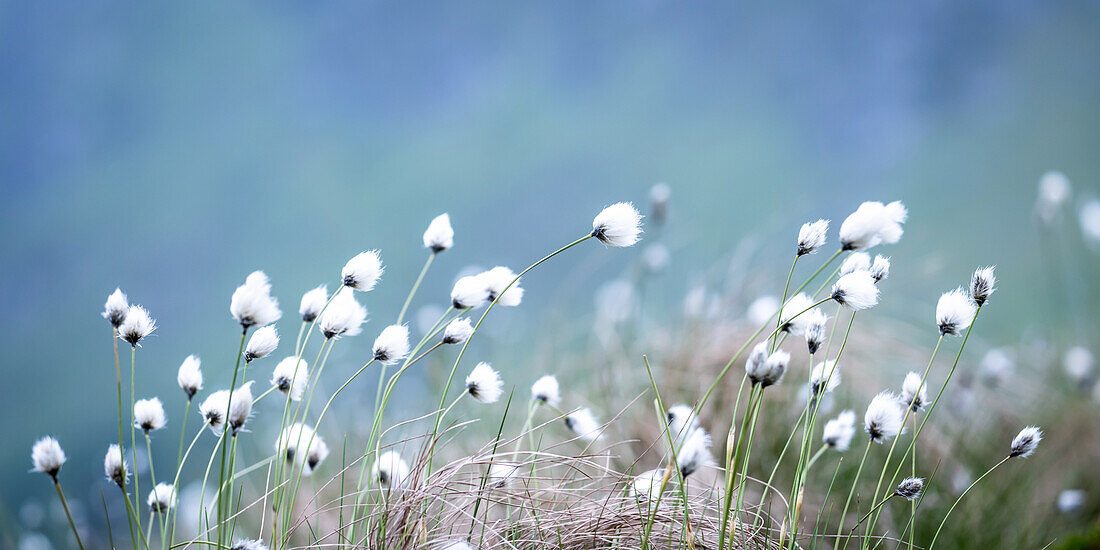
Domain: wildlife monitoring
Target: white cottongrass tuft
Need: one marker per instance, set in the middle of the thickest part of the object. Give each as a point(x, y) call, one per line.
point(296, 437)
point(213, 410)
point(363, 271)
point(769, 371)
point(583, 424)
point(240, 407)
point(137, 325)
point(1054, 192)
point(1070, 500)
point(618, 225)
point(646, 486)
point(114, 465)
point(189, 376)
point(312, 303)
point(469, 292)
point(162, 498)
point(47, 456)
point(914, 392)
point(815, 329)
point(484, 384)
point(390, 470)
point(812, 236)
point(880, 268)
point(261, 344)
point(248, 544)
point(1025, 442)
point(1079, 364)
point(694, 453)
point(501, 475)
point(795, 317)
point(498, 279)
point(458, 331)
point(872, 224)
point(954, 312)
point(884, 417)
point(149, 414)
point(315, 454)
point(682, 421)
point(824, 377)
point(856, 290)
point(252, 303)
point(344, 316)
point(856, 261)
point(839, 431)
point(762, 309)
point(114, 311)
point(545, 390)
point(910, 488)
point(392, 345)
point(983, 284)
point(290, 376)
point(439, 236)
point(1089, 218)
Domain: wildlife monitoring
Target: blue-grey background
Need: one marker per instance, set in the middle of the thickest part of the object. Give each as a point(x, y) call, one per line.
point(172, 149)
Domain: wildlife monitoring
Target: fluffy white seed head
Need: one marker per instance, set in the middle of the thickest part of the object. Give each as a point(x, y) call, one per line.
point(501, 475)
point(47, 456)
point(1025, 442)
point(771, 371)
point(872, 224)
point(646, 486)
point(914, 392)
point(189, 376)
point(583, 424)
point(252, 303)
point(812, 236)
point(754, 365)
point(136, 326)
point(1054, 192)
point(261, 344)
point(315, 454)
point(954, 312)
point(344, 316)
point(839, 431)
point(1070, 500)
point(884, 417)
point(682, 421)
point(856, 261)
point(694, 453)
point(546, 390)
point(983, 284)
point(618, 225)
point(795, 318)
point(458, 331)
point(161, 499)
point(815, 329)
point(214, 409)
point(392, 345)
point(496, 280)
point(114, 311)
point(290, 376)
point(910, 488)
point(856, 291)
point(880, 268)
point(292, 439)
point(114, 465)
point(363, 271)
point(824, 377)
point(1079, 364)
point(484, 384)
point(240, 407)
point(439, 236)
point(149, 414)
point(248, 544)
point(761, 309)
point(312, 303)
point(390, 470)
point(469, 292)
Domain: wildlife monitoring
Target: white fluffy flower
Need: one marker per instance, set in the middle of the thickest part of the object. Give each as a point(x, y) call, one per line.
point(313, 302)
point(694, 453)
point(914, 392)
point(583, 424)
point(458, 331)
point(910, 488)
point(856, 290)
point(824, 377)
point(496, 280)
point(162, 498)
point(252, 303)
point(1026, 442)
point(812, 236)
point(439, 236)
point(884, 417)
point(114, 311)
point(770, 371)
point(392, 345)
point(1070, 500)
point(248, 544)
point(1054, 192)
point(545, 390)
point(682, 421)
point(469, 292)
point(315, 454)
point(261, 344)
point(213, 410)
point(1079, 363)
point(815, 329)
point(954, 312)
point(646, 486)
point(390, 470)
point(149, 414)
point(872, 224)
point(795, 317)
point(501, 475)
point(137, 325)
point(880, 268)
point(618, 225)
point(982, 284)
point(1089, 218)
point(655, 257)
point(484, 384)
point(856, 261)
point(839, 431)
point(189, 376)
point(47, 456)
point(292, 439)
point(344, 316)
point(762, 309)
point(291, 376)
point(363, 271)
point(114, 466)
point(240, 407)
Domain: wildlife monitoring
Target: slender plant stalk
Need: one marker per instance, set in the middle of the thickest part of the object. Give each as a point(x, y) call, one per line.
point(852, 491)
point(121, 447)
point(65, 505)
point(415, 287)
point(786, 287)
point(176, 482)
point(222, 506)
point(957, 500)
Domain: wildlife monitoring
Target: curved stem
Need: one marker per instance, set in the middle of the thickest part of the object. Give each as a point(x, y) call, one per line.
point(223, 504)
point(957, 500)
point(852, 491)
point(416, 285)
point(783, 303)
point(65, 505)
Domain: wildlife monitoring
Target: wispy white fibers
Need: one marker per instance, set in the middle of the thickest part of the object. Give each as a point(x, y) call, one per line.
point(1054, 192)
point(770, 371)
point(114, 466)
point(856, 261)
point(248, 544)
point(469, 292)
point(484, 384)
point(760, 310)
point(812, 236)
point(914, 392)
point(824, 377)
point(261, 344)
point(240, 407)
point(954, 312)
point(983, 284)
point(501, 475)
point(880, 268)
point(795, 318)
point(682, 420)
point(884, 417)
point(458, 331)
point(315, 454)
point(439, 236)
point(910, 488)
point(162, 498)
point(545, 390)
point(137, 325)
point(252, 303)
point(47, 456)
point(815, 329)
point(839, 431)
point(392, 345)
point(362, 271)
point(618, 225)
point(646, 486)
point(872, 224)
point(189, 376)
point(856, 290)
point(312, 303)
point(291, 441)
point(583, 424)
point(390, 470)
point(496, 280)
point(1025, 442)
point(149, 415)
point(290, 376)
point(114, 311)
point(694, 453)
point(344, 316)
point(214, 410)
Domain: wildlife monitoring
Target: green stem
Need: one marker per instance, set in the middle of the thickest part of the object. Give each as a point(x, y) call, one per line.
point(121, 447)
point(65, 505)
point(176, 482)
point(957, 500)
point(416, 285)
point(852, 491)
point(133, 437)
point(783, 303)
point(223, 504)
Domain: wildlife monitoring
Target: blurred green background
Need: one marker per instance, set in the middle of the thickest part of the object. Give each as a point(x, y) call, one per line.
point(172, 149)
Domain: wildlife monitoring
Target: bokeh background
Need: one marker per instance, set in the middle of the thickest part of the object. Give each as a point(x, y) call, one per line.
point(172, 149)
